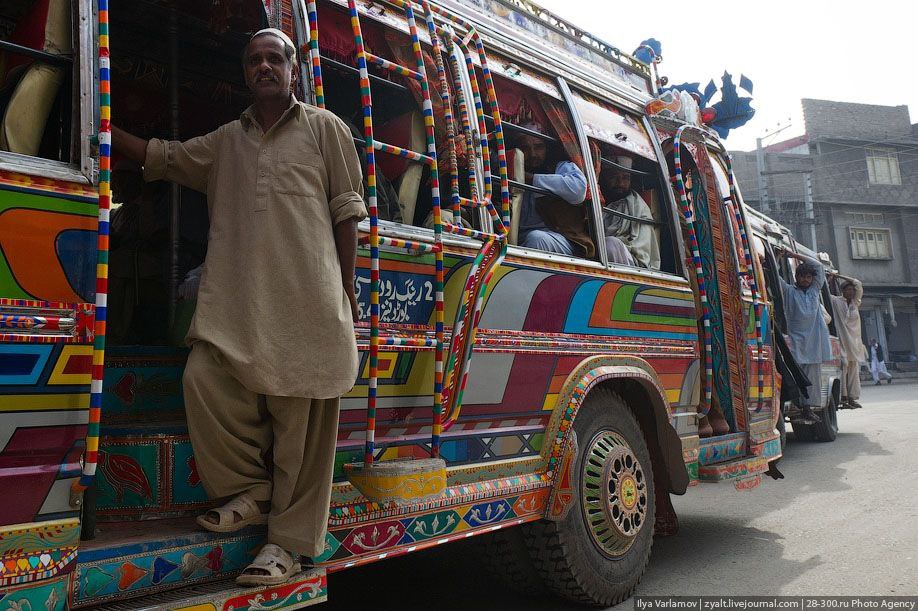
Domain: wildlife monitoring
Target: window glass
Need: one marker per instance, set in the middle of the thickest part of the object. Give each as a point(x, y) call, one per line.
point(883, 167)
point(632, 213)
point(870, 243)
point(36, 78)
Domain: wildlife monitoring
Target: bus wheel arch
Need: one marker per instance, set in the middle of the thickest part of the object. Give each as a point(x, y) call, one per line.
point(634, 380)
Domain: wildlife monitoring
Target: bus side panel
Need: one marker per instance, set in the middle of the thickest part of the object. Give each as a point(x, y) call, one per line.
point(48, 241)
point(538, 323)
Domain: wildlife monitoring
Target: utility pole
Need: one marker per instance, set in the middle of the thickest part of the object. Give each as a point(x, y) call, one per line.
point(808, 206)
point(760, 175)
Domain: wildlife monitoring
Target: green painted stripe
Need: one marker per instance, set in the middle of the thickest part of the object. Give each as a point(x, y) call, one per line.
point(17, 199)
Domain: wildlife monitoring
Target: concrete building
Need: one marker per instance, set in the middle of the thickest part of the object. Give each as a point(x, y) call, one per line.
point(851, 182)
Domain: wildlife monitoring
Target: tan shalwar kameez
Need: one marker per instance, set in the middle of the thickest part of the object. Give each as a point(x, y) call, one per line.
point(272, 337)
point(639, 238)
point(848, 327)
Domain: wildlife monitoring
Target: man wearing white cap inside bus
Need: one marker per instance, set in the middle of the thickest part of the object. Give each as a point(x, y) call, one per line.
point(567, 186)
point(272, 339)
point(628, 240)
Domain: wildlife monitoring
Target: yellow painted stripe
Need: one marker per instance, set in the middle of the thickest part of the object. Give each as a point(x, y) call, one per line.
point(685, 295)
point(59, 377)
point(16, 403)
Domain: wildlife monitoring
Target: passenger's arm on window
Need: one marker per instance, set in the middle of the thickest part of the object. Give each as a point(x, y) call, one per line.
point(568, 182)
point(187, 163)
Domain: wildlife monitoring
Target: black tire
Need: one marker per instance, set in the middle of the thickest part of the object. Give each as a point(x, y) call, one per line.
point(567, 554)
point(826, 430)
point(802, 432)
point(507, 560)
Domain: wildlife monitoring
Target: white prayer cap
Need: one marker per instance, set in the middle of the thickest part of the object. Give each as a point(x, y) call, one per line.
point(624, 161)
point(288, 44)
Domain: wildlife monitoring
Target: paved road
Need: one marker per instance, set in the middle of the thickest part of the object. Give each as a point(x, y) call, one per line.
point(844, 521)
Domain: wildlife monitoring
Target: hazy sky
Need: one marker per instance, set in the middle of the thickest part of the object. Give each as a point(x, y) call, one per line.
point(842, 50)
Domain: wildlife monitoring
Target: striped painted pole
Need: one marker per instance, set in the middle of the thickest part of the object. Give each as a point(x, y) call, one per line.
point(91, 458)
point(689, 215)
point(314, 57)
point(367, 103)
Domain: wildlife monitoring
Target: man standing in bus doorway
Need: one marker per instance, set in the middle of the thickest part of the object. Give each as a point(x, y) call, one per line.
point(628, 241)
point(273, 336)
point(562, 232)
point(878, 363)
point(847, 315)
point(807, 328)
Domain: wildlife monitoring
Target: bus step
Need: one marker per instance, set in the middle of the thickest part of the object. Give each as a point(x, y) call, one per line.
point(741, 468)
point(403, 480)
point(303, 590)
point(137, 560)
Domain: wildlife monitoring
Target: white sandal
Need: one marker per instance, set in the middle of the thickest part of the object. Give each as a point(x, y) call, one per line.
point(277, 566)
point(243, 506)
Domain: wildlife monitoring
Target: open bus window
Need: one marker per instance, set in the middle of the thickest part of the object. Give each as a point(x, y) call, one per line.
point(36, 78)
point(635, 225)
point(403, 185)
point(550, 209)
point(628, 186)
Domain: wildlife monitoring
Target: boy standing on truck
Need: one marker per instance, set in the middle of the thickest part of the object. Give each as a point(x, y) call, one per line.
point(807, 328)
point(848, 324)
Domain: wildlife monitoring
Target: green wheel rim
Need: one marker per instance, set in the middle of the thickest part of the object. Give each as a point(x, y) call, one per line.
point(614, 493)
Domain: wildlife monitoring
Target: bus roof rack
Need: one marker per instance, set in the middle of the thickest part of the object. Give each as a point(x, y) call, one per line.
point(547, 19)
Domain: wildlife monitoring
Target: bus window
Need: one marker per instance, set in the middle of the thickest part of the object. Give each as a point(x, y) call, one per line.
point(550, 210)
point(628, 187)
point(403, 185)
point(36, 78)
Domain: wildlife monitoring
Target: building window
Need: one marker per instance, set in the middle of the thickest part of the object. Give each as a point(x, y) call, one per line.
point(870, 243)
point(866, 217)
point(883, 167)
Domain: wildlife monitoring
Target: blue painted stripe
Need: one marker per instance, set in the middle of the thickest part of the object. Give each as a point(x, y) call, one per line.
point(23, 363)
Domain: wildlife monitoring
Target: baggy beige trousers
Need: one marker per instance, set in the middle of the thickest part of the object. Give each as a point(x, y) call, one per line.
point(851, 372)
point(232, 430)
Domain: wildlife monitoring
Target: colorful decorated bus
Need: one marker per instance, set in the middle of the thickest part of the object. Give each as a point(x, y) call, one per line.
point(551, 402)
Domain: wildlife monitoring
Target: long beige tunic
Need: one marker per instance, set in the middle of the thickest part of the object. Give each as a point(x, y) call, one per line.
point(848, 324)
point(271, 299)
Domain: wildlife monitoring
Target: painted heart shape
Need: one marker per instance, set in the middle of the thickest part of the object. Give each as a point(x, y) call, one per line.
point(124, 388)
point(46, 559)
point(95, 580)
point(22, 564)
point(162, 568)
point(130, 574)
point(33, 561)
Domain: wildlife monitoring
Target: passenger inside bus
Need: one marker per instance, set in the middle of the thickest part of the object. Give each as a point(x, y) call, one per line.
point(627, 240)
point(551, 219)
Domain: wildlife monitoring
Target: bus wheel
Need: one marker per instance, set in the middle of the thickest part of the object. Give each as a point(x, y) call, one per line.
point(599, 551)
point(827, 428)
